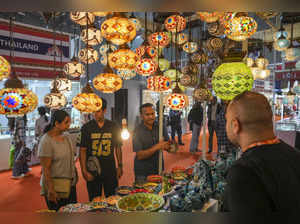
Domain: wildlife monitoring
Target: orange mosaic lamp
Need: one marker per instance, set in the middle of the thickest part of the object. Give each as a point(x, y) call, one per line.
point(177, 100)
point(175, 23)
point(124, 58)
point(5, 68)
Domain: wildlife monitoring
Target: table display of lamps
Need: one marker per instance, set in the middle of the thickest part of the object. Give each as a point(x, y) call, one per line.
point(118, 29)
point(232, 77)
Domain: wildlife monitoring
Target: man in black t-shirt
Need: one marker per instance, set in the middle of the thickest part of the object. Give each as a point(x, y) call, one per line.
point(267, 176)
point(100, 138)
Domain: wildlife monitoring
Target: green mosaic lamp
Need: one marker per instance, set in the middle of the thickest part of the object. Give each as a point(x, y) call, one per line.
point(232, 78)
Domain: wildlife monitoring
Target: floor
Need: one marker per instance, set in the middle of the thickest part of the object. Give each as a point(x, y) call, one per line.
point(23, 195)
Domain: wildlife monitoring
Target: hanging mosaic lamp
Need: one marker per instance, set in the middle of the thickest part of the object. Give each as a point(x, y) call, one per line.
point(263, 74)
point(164, 64)
point(232, 77)
point(5, 68)
point(15, 99)
point(91, 36)
point(107, 82)
point(55, 99)
point(161, 39)
point(201, 94)
point(177, 100)
point(87, 101)
point(62, 84)
point(88, 55)
point(126, 74)
point(136, 22)
point(281, 44)
point(124, 58)
point(82, 18)
point(181, 38)
point(279, 33)
point(118, 29)
point(249, 62)
point(214, 43)
point(199, 58)
point(188, 80)
point(210, 17)
point(240, 27)
point(103, 60)
point(190, 47)
point(190, 68)
point(181, 87)
point(158, 82)
point(100, 14)
point(175, 23)
point(261, 62)
point(215, 29)
point(105, 47)
point(74, 68)
point(171, 73)
point(144, 49)
point(146, 66)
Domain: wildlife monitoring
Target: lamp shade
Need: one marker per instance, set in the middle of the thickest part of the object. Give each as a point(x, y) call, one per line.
point(126, 74)
point(91, 36)
point(88, 55)
point(103, 60)
point(188, 80)
point(263, 74)
point(231, 79)
point(142, 50)
point(5, 68)
point(215, 29)
point(62, 84)
point(240, 28)
point(118, 30)
point(137, 23)
point(160, 39)
point(175, 23)
point(100, 14)
point(87, 101)
point(74, 68)
point(164, 64)
point(55, 100)
point(123, 59)
point(210, 17)
point(17, 101)
point(201, 94)
point(199, 58)
point(177, 100)
point(82, 18)
point(107, 82)
point(190, 68)
point(146, 67)
point(181, 38)
point(190, 47)
point(280, 33)
point(214, 43)
point(281, 44)
point(104, 48)
point(171, 73)
point(158, 83)
point(262, 62)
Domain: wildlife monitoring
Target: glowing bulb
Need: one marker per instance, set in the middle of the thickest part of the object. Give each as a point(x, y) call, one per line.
point(125, 134)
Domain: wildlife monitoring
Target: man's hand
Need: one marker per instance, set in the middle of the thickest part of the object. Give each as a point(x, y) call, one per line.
point(119, 172)
point(88, 176)
point(163, 145)
point(52, 196)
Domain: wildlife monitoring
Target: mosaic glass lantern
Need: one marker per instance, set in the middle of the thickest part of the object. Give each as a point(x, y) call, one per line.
point(188, 80)
point(231, 79)
point(292, 54)
point(158, 83)
point(190, 68)
point(137, 23)
point(281, 44)
point(249, 62)
point(199, 58)
point(103, 60)
point(175, 23)
point(177, 100)
point(171, 73)
point(100, 14)
point(201, 94)
point(118, 30)
point(190, 47)
point(123, 59)
point(107, 82)
point(141, 50)
point(181, 38)
point(15, 100)
point(210, 17)
point(82, 18)
point(91, 36)
point(262, 62)
point(126, 74)
point(146, 67)
point(214, 43)
point(104, 48)
point(63, 85)
point(240, 28)
point(215, 29)
point(279, 33)
point(74, 68)
point(88, 55)
point(55, 100)
point(181, 87)
point(4, 68)
point(263, 74)
point(87, 101)
point(164, 64)
point(255, 72)
point(159, 39)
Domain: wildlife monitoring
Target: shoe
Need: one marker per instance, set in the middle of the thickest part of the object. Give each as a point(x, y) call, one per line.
point(17, 177)
point(180, 143)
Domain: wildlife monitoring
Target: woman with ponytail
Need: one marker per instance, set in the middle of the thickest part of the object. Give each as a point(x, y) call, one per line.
point(57, 155)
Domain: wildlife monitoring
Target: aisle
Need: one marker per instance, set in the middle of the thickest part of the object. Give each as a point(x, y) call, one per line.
point(23, 195)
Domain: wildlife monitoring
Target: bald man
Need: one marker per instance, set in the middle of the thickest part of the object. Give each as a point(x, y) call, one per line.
point(267, 176)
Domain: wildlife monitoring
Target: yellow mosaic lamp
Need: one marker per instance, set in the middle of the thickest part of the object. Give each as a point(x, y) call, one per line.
point(82, 18)
point(91, 35)
point(88, 55)
point(124, 58)
point(55, 99)
point(5, 68)
point(175, 23)
point(177, 100)
point(210, 17)
point(74, 68)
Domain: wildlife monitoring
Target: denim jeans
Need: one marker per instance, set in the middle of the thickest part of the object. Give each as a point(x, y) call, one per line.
point(195, 137)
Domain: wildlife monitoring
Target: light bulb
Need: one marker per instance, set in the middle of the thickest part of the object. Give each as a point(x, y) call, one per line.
point(125, 134)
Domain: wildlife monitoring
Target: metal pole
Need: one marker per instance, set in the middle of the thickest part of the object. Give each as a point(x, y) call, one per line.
point(161, 116)
point(204, 132)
